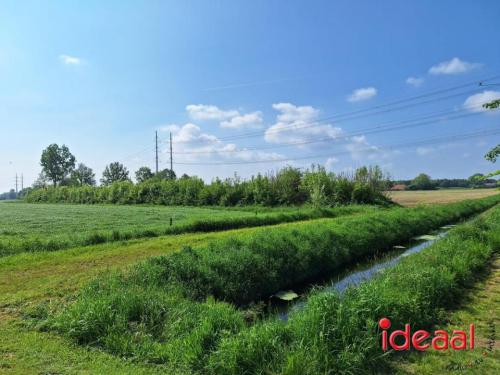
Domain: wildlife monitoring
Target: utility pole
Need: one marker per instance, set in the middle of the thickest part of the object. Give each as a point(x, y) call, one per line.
point(22, 182)
point(16, 183)
point(171, 160)
point(156, 148)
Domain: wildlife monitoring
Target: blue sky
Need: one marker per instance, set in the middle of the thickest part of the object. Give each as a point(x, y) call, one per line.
point(245, 82)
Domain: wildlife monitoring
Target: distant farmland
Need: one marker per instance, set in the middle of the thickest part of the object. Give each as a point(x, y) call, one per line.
point(413, 198)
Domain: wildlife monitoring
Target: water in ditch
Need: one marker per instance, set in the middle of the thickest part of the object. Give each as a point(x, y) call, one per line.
point(361, 272)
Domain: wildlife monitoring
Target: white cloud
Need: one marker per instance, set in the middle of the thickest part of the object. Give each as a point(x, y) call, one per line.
point(229, 119)
point(453, 66)
point(209, 112)
point(290, 112)
point(70, 60)
point(296, 124)
point(474, 103)
point(249, 120)
point(191, 145)
point(414, 81)
point(362, 94)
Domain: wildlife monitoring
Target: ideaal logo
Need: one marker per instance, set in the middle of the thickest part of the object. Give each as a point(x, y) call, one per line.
point(441, 340)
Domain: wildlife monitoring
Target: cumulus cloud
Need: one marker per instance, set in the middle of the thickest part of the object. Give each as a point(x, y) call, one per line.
point(70, 60)
point(249, 120)
point(364, 93)
point(229, 118)
point(453, 66)
point(414, 81)
point(209, 112)
point(474, 103)
point(296, 124)
point(192, 144)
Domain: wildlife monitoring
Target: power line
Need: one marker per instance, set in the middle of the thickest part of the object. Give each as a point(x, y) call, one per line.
point(408, 144)
point(405, 124)
point(305, 125)
point(348, 116)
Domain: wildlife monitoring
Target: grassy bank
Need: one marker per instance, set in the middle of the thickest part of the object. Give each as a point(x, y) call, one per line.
point(480, 306)
point(132, 315)
point(250, 269)
point(340, 335)
point(48, 227)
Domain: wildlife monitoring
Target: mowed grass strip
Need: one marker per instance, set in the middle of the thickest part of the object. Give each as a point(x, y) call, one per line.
point(133, 315)
point(26, 227)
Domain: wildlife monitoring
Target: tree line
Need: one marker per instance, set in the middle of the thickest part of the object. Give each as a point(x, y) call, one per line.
point(288, 186)
point(59, 169)
point(425, 182)
point(61, 180)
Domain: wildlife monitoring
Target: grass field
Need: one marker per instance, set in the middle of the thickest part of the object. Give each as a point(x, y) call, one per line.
point(414, 198)
point(38, 227)
point(31, 283)
point(61, 226)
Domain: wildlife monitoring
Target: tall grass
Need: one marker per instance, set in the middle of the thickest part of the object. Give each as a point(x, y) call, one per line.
point(242, 270)
point(143, 315)
point(336, 334)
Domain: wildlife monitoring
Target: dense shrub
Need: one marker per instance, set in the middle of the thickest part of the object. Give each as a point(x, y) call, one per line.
point(289, 186)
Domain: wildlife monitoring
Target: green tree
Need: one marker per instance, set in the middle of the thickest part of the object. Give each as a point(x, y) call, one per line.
point(143, 174)
point(114, 172)
point(82, 175)
point(57, 163)
point(287, 184)
point(492, 105)
point(493, 154)
point(495, 151)
point(166, 174)
point(477, 179)
point(422, 182)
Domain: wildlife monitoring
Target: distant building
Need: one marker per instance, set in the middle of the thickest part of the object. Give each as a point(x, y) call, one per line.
point(398, 187)
point(490, 184)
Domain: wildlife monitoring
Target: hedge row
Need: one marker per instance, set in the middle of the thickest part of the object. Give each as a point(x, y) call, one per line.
point(289, 186)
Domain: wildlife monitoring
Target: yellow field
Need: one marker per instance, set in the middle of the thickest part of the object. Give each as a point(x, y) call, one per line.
point(413, 198)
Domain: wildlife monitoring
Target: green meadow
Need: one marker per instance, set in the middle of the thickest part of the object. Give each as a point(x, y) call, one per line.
point(187, 302)
point(26, 227)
